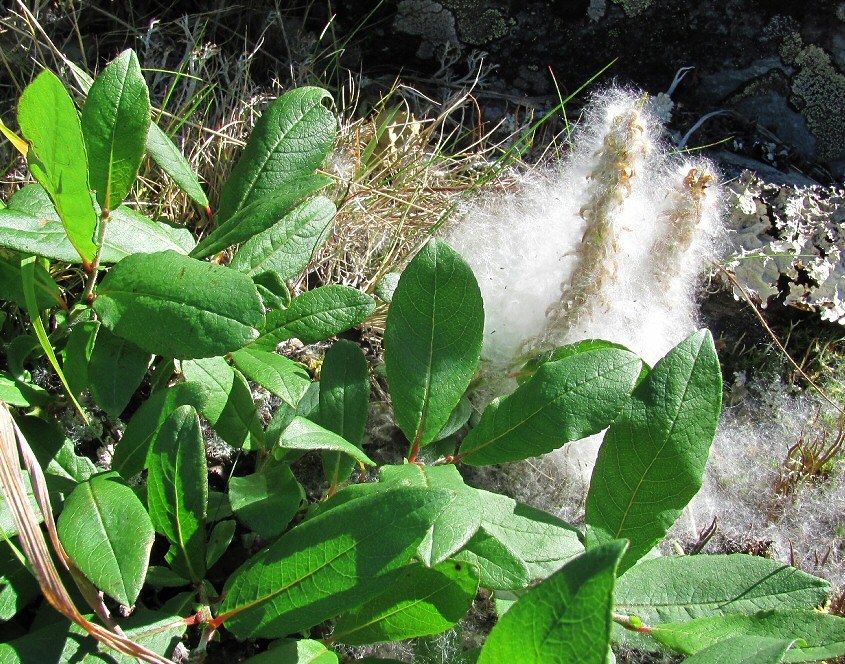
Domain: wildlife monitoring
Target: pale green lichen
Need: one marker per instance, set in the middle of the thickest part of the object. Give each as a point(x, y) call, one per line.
point(818, 91)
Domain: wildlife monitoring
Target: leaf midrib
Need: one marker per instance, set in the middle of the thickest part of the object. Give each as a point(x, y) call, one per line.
point(667, 438)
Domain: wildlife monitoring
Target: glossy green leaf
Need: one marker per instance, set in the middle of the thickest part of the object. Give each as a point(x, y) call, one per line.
point(567, 618)
point(229, 409)
point(115, 122)
point(259, 216)
point(176, 306)
point(344, 403)
point(31, 225)
point(177, 490)
point(316, 315)
point(420, 602)
point(292, 138)
point(653, 456)
point(219, 540)
point(303, 434)
point(818, 635)
point(432, 340)
point(130, 455)
point(457, 523)
point(115, 371)
point(56, 158)
point(108, 534)
point(743, 650)
point(47, 292)
point(542, 542)
point(268, 500)
point(285, 378)
point(676, 589)
point(329, 563)
point(288, 246)
point(566, 400)
point(288, 651)
point(171, 160)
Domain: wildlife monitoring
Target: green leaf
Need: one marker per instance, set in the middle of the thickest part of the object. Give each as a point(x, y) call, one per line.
point(18, 587)
point(56, 158)
point(108, 534)
point(18, 393)
point(115, 371)
point(743, 650)
point(130, 455)
point(32, 225)
point(47, 292)
point(456, 524)
point(499, 568)
point(219, 540)
point(272, 289)
point(160, 148)
point(567, 618)
point(176, 306)
point(266, 501)
point(115, 122)
point(285, 378)
point(229, 409)
point(316, 315)
point(170, 159)
point(259, 216)
point(676, 589)
point(292, 138)
point(422, 601)
point(566, 400)
point(344, 403)
point(303, 651)
point(329, 563)
point(818, 635)
point(303, 434)
point(56, 454)
point(561, 352)
point(288, 246)
point(541, 541)
point(652, 459)
point(177, 490)
point(77, 354)
point(432, 340)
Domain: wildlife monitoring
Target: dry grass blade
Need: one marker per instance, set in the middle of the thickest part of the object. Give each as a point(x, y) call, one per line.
point(35, 545)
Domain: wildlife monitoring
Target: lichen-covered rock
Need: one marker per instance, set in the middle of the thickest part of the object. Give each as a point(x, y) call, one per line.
point(790, 243)
point(818, 90)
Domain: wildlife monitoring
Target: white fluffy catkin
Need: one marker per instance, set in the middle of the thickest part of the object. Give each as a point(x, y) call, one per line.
point(609, 245)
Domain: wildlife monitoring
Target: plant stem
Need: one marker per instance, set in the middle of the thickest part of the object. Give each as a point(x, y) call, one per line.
point(631, 623)
point(88, 293)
